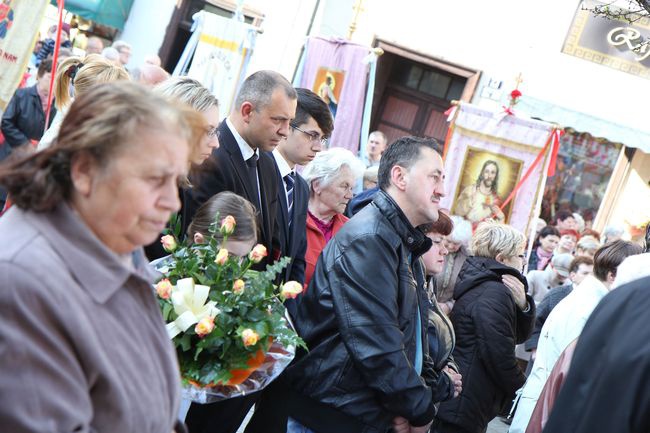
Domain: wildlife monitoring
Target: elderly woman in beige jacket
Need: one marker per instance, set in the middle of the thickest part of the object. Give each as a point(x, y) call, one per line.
point(83, 345)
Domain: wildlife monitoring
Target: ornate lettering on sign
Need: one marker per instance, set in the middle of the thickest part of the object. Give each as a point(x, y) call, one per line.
point(630, 37)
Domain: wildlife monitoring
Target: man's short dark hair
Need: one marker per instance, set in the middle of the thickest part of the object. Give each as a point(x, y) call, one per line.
point(44, 68)
point(311, 105)
point(404, 152)
point(259, 87)
point(580, 260)
point(609, 256)
point(562, 215)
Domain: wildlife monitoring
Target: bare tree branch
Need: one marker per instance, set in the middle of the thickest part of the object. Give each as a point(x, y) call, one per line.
point(645, 4)
point(635, 10)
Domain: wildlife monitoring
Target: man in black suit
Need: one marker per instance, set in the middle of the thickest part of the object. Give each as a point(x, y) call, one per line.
point(310, 129)
point(259, 121)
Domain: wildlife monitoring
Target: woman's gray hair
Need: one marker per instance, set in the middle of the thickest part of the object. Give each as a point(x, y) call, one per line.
point(111, 53)
point(580, 222)
point(462, 232)
point(612, 230)
point(328, 163)
point(491, 239)
point(189, 91)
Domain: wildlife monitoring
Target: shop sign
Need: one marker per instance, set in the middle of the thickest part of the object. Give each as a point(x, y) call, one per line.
point(613, 43)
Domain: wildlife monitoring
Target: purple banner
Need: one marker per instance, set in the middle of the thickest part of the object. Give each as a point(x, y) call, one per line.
point(334, 69)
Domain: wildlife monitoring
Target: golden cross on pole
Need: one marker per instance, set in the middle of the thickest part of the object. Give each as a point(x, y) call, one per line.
point(357, 8)
point(518, 80)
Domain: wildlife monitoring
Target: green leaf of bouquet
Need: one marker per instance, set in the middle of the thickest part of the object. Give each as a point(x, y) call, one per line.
point(256, 315)
point(167, 309)
point(175, 226)
point(262, 329)
point(185, 342)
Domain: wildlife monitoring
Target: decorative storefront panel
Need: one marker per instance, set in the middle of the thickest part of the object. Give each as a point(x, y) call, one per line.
point(613, 43)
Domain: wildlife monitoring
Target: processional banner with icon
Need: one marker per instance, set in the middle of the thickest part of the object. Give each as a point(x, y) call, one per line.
point(337, 70)
point(219, 51)
point(19, 24)
point(496, 165)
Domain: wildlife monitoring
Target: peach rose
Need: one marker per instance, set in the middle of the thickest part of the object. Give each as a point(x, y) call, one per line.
point(164, 288)
point(228, 225)
point(258, 253)
point(238, 286)
point(291, 290)
point(169, 243)
point(249, 337)
point(204, 327)
point(222, 256)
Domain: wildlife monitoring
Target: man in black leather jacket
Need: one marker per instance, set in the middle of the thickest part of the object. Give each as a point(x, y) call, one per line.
point(364, 314)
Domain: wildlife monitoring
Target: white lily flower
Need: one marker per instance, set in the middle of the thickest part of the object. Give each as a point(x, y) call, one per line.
point(190, 304)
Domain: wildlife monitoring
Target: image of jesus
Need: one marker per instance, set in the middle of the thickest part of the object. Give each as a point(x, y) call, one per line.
point(480, 201)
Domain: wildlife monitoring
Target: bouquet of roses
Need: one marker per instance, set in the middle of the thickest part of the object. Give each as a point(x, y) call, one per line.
point(227, 321)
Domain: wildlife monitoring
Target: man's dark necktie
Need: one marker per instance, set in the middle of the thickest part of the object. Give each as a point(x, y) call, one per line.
point(289, 182)
point(252, 175)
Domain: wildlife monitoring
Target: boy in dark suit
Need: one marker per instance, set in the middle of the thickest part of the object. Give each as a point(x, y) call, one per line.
point(310, 129)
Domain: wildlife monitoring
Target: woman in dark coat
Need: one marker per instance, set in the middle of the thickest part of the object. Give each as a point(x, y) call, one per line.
point(491, 315)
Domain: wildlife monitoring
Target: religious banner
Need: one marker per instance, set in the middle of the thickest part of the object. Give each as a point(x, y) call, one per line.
point(335, 70)
point(496, 166)
point(19, 24)
point(221, 49)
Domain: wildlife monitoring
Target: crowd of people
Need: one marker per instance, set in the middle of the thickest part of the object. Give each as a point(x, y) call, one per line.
point(415, 320)
point(25, 117)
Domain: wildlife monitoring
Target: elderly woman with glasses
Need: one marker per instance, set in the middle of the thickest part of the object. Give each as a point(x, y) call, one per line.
point(457, 244)
point(491, 315)
point(331, 176)
point(83, 345)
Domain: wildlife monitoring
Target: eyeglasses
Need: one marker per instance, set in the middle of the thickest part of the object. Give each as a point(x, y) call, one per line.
point(212, 132)
point(523, 262)
point(312, 136)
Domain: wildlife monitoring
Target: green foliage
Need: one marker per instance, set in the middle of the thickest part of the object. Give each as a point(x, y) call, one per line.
point(209, 359)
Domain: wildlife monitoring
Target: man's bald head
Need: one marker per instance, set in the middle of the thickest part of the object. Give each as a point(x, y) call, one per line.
point(150, 75)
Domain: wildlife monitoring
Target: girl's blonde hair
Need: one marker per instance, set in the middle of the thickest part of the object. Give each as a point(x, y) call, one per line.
point(188, 91)
point(84, 74)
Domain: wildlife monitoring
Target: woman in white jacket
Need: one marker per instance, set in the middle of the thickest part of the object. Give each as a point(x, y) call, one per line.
point(565, 324)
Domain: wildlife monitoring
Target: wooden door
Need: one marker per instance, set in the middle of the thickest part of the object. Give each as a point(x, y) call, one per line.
point(403, 114)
